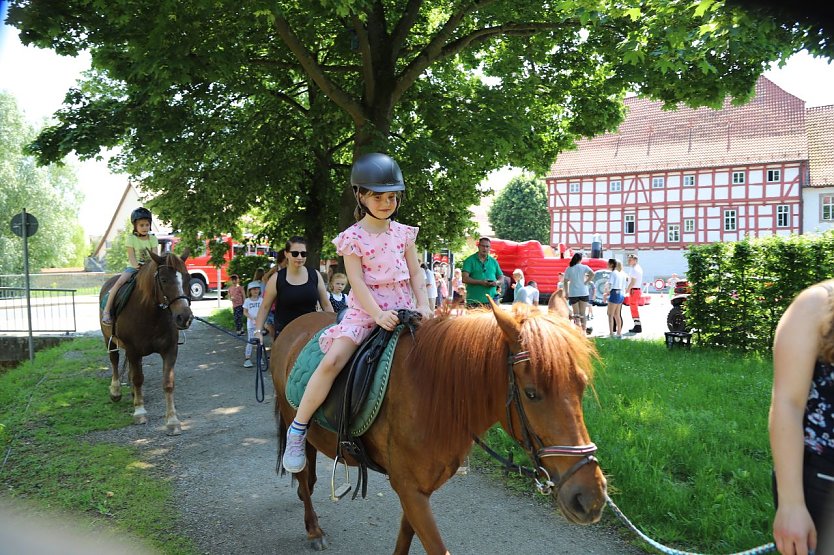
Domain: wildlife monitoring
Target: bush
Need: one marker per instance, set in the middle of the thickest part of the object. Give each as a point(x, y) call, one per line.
point(245, 266)
point(740, 290)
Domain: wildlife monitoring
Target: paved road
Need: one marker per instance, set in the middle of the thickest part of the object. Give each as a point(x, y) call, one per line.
point(652, 315)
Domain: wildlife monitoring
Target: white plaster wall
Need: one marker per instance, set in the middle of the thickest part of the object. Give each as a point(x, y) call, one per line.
point(811, 213)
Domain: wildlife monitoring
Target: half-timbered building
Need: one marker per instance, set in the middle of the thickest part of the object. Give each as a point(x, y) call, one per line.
point(668, 179)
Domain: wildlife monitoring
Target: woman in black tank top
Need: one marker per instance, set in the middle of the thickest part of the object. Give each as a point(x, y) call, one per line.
point(803, 362)
point(295, 290)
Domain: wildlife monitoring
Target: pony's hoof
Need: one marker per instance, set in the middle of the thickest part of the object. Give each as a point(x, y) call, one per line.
point(140, 419)
point(174, 429)
point(319, 544)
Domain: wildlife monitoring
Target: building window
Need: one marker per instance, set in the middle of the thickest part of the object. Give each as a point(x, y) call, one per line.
point(689, 181)
point(658, 182)
point(729, 220)
point(738, 178)
point(827, 204)
point(629, 224)
point(774, 175)
point(615, 186)
point(673, 233)
point(573, 188)
point(783, 214)
point(689, 225)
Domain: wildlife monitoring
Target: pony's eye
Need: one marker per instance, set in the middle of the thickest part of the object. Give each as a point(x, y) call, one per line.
point(530, 393)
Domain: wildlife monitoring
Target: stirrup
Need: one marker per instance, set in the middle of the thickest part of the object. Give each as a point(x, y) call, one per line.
point(337, 493)
point(112, 346)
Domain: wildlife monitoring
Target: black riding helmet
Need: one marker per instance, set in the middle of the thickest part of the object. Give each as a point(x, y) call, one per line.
point(141, 213)
point(378, 173)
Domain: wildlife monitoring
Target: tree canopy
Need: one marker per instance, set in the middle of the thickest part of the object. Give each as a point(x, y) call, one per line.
point(50, 194)
point(223, 108)
point(519, 212)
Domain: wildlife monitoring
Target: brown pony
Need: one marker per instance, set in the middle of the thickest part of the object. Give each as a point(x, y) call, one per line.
point(149, 323)
point(455, 378)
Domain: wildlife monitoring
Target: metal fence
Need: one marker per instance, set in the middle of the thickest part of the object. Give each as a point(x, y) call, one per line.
point(53, 310)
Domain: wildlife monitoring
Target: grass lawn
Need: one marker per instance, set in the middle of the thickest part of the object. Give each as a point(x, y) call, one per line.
point(682, 438)
point(48, 466)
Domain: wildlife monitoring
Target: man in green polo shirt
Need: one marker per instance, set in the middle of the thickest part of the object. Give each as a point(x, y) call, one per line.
point(481, 274)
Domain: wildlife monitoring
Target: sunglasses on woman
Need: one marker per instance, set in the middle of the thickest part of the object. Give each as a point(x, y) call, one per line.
point(296, 254)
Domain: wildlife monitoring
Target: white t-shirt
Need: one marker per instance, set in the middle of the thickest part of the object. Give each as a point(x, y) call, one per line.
point(618, 280)
point(635, 272)
point(251, 306)
point(431, 284)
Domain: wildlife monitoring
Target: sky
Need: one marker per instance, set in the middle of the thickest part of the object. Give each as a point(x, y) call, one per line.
point(39, 79)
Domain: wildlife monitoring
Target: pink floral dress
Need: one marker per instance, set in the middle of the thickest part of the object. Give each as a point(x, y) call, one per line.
point(384, 271)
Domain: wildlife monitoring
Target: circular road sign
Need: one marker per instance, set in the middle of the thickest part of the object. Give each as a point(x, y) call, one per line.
point(31, 225)
point(659, 284)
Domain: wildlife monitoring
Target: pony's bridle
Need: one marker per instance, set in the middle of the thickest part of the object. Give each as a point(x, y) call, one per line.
point(534, 445)
point(165, 304)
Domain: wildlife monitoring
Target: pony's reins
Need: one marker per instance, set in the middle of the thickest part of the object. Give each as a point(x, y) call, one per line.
point(261, 358)
point(544, 483)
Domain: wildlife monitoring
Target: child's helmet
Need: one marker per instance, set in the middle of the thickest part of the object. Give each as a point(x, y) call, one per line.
point(140, 213)
point(378, 173)
point(253, 285)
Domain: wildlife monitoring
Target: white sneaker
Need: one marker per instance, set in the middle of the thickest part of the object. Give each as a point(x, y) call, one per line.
point(247, 363)
point(295, 458)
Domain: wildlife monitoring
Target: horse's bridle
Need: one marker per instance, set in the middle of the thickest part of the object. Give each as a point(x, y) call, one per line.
point(166, 304)
point(534, 445)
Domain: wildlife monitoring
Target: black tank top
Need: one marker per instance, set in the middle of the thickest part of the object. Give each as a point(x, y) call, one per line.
point(294, 300)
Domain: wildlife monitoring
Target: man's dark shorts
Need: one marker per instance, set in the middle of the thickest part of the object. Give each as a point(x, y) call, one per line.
point(575, 300)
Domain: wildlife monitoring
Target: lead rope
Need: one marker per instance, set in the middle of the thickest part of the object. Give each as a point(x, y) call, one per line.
point(261, 358)
point(766, 548)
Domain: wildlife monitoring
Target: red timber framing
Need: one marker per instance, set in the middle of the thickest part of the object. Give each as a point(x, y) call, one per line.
point(673, 209)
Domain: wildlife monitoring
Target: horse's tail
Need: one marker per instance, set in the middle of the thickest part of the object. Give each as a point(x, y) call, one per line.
point(282, 438)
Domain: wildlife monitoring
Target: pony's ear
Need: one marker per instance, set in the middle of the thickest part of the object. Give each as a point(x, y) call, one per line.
point(557, 304)
point(507, 323)
point(185, 254)
point(156, 258)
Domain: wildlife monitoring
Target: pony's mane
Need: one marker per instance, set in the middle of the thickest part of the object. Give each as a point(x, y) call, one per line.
point(462, 366)
point(146, 283)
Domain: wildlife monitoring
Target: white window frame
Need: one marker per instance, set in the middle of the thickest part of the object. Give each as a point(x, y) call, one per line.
point(730, 217)
point(774, 176)
point(615, 186)
point(629, 219)
point(689, 180)
point(827, 205)
point(783, 215)
point(739, 178)
point(673, 233)
point(575, 187)
point(689, 225)
point(658, 182)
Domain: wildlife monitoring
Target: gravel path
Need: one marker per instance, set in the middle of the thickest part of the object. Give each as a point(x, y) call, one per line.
point(232, 501)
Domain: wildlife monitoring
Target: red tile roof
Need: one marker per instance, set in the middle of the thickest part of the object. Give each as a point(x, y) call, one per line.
point(820, 122)
point(770, 128)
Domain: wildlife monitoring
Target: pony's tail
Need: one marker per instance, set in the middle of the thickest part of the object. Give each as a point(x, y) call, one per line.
point(282, 439)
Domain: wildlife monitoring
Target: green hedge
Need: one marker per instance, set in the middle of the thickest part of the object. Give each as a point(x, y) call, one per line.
point(740, 290)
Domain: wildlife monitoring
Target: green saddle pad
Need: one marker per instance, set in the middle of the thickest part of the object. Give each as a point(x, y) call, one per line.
point(121, 297)
point(306, 364)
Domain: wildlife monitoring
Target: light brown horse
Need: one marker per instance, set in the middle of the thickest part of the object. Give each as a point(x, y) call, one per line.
point(149, 323)
point(456, 378)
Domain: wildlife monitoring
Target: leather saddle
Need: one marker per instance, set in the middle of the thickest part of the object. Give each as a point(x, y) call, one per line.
point(350, 391)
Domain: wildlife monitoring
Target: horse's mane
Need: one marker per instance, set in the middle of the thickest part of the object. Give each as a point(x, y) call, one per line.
point(146, 283)
point(462, 366)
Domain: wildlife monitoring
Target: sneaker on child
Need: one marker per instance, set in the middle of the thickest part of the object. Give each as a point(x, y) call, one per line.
point(295, 458)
